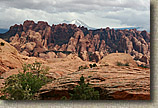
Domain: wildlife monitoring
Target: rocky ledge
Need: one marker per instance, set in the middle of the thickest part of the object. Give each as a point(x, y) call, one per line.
point(113, 82)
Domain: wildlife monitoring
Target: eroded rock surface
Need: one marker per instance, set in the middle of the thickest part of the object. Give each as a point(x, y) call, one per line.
point(32, 38)
point(126, 83)
point(112, 81)
point(118, 82)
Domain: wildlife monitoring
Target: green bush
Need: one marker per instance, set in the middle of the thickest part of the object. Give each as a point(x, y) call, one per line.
point(2, 43)
point(24, 86)
point(121, 64)
point(63, 98)
point(84, 92)
point(143, 66)
point(92, 65)
point(82, 67)
point(126, 64)
point(89, 76)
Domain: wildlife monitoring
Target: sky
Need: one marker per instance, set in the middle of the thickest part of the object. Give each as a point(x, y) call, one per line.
point(95, 13)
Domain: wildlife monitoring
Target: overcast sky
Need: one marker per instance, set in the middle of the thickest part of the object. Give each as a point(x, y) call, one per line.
point(95, 13)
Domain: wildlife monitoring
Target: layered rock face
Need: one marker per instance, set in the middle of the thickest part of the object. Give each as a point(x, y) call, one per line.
point(125, 83)
point(112, 81)
point(32, 39)
point(9, 57)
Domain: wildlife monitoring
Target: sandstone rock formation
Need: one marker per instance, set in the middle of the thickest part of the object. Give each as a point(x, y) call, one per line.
point(9, 57)
point(11, 61)
point(32, 38)
point(113, 82)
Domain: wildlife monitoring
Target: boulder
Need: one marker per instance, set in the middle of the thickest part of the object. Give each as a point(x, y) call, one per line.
point(39, 50)
point(42, 55)
point(30, 46)
point(61, 55)
point(115, 58)
point(25, 53)
point(51, 55)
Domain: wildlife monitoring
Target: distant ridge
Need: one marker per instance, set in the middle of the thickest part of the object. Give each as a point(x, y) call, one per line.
point(128, 28)
point(78, 23)
point(3, 30)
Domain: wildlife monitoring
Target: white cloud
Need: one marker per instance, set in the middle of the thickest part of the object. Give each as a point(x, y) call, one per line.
point(95, 13)
point(131, 17)
point(76, 5)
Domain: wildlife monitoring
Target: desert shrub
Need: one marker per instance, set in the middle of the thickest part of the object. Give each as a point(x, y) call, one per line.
point(36, 68)
point(2, 44)
point(25, 85)
point(121, 64)
point(85, 67)
point(126, 64)
point(83, 91)
point(89, 76)
point(82, 67)
point(92, 65)
point(63, 98)
point(143, 66)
